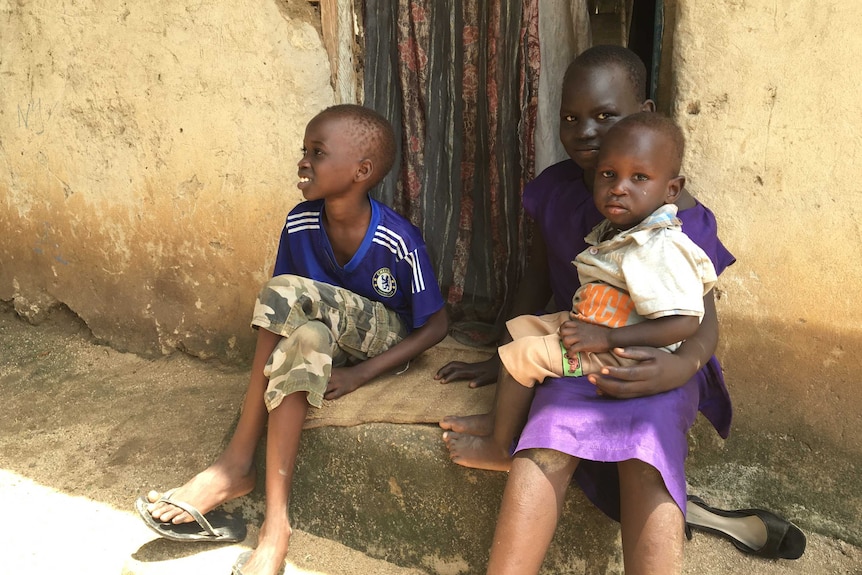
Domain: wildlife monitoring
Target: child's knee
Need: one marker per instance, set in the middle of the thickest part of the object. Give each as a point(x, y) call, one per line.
point(311, 337)
point(551, 461)
point(300, 362)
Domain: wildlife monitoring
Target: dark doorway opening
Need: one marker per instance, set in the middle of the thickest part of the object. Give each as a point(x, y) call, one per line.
point(637, 24)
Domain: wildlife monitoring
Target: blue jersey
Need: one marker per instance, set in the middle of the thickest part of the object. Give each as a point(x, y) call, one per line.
point(391, 265)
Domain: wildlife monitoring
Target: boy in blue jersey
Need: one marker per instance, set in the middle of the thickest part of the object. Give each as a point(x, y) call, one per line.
point(352, 297)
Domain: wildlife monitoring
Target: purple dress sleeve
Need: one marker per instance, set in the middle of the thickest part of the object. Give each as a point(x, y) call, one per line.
point(564, 211)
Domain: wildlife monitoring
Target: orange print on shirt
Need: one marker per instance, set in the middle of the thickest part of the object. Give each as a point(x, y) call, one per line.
point(605, 305)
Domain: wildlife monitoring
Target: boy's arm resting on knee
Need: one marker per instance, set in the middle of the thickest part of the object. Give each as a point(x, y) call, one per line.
point(659, 371)
point(432, 332)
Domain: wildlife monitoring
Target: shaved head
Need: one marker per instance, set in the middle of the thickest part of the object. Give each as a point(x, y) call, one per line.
point(371, 132)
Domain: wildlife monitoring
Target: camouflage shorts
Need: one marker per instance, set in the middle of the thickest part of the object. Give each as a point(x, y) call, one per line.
point(321, 326)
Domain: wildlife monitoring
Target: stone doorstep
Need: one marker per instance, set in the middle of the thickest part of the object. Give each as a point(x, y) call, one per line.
point(390, 491)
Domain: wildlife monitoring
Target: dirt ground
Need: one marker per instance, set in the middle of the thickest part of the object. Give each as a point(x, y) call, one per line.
point(86, 429)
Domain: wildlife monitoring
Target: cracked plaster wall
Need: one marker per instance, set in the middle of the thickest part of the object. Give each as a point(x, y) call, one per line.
point(771, 105)
point(148, 158)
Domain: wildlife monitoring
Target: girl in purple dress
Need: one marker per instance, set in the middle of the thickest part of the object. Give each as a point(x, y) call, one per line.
point(628, 456)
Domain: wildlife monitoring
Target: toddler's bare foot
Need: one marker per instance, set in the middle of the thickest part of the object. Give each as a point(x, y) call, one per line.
point(272, 545)
point(205, 491)
point(481, 424)
point(477, 451)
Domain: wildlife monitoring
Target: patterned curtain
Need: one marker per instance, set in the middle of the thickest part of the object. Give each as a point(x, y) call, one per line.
point(459, 81)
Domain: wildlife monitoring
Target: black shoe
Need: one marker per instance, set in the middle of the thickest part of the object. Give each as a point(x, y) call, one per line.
point(745, 528)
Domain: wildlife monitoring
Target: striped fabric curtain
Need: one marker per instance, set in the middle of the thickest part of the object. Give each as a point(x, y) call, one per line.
point(459, 81)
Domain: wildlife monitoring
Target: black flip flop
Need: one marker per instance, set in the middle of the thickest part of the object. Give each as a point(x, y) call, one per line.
point(215, 527)
point(784, 540)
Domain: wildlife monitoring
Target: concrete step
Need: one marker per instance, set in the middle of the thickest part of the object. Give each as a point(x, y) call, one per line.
point(87, 429)
point(390, 491)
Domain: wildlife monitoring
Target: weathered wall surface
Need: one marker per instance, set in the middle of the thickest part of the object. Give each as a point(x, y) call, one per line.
point(148, 155)
point(773, 113)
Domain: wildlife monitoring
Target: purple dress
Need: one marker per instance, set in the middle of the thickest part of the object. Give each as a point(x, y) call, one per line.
point(567, 415)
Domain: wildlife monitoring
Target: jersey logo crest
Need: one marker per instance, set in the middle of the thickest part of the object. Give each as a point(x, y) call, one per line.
point(384, 282)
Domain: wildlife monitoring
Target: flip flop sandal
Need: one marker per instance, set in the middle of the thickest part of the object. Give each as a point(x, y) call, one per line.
point(745, 528)
point(215, 527)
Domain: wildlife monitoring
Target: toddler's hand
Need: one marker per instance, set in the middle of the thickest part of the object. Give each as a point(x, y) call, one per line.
point(579, 335)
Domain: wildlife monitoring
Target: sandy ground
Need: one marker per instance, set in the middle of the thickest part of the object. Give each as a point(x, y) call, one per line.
point(58, 533)
point(86, 429)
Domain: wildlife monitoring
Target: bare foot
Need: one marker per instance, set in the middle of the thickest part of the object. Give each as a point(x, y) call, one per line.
point(205, 491)
point(272, 545)
point(481, 424)
point(477, 451)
